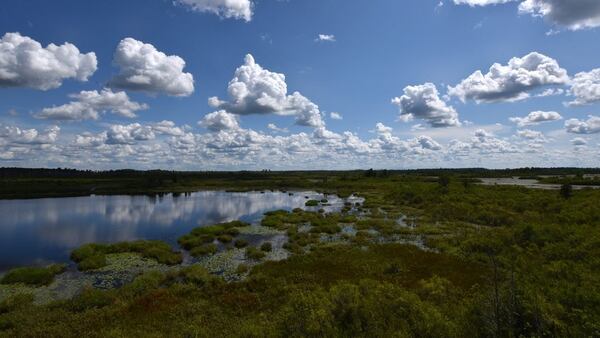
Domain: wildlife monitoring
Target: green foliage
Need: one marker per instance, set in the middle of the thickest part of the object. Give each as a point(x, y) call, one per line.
point(240, 243)
point(206, 249)
point(35, 276)
point(255, 253)
point(266, 247)
point(93, 256)
point(312, 203)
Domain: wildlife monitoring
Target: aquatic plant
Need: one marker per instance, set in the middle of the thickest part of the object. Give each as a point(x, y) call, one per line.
point(93, 256)
point(312, 203)
point(35, 276)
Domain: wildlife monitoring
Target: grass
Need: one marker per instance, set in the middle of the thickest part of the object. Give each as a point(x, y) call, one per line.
point(33, 276)
point(206, 249)
point(255, 253)
point(240, 243)
point(312, 203)
point(199, 239)
point(93, 256)
point(266, 247)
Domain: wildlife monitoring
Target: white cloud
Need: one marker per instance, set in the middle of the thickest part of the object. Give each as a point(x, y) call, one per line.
point(536, 117)
point(511, 82)
point(579, 141)
point(473, 3)
point(275, 128)
point(532, 135)
point(255, 90)
point(423, 102)
point(585, 86)
point(16, 135)
point(25, 63)
point(236, 9)
point(129, 134)
point(325, 38)
point(88, 105)
point(143, 68)
point(220, 120)
point(576, 126)
point(573, 14)
point(335, 116)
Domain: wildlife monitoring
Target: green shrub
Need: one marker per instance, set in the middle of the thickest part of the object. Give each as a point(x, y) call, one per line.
point(267, 247)
point(92, 263)
point(240, 243)
point(199, 276)
point(35, 276)
point(207, 249)
point(312, 203)
point(225, 238)
point(255, 253)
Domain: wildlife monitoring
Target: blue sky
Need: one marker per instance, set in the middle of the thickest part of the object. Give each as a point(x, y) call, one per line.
point(373, 52)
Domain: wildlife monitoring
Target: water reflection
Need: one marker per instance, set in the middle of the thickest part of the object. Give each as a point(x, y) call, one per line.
point(46, 230)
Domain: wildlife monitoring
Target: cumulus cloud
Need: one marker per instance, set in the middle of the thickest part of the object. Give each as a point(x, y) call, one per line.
point(423, 102)
point(532, 135)
point(335, 116)
point(88, 105)
point(16, 135)
point(576, 126)
point(144, 68)
point(473, 3)
point(129, 134)
point(511, 82)
point(255, 90)
point(325, 38)
point(220, 120)
point(585, 86)
point(236, 9)
point(573, 14)
point(536, 117)
point(579, 141)
point(25, 63)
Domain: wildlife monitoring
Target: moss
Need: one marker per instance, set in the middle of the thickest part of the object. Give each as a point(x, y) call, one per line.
point(255, 253)
point(240, 243)
point(207, 249)
point(266, 247)
point(35, 276)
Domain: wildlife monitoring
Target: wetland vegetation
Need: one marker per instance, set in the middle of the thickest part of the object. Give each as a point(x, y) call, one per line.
point(420, 254)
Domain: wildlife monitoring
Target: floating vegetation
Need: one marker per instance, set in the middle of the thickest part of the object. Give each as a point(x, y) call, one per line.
point(93, 256)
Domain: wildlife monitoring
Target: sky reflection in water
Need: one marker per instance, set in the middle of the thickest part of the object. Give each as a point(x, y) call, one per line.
point(40, 231)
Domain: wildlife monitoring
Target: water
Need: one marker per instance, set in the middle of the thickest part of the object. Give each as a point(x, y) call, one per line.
point(43, 231)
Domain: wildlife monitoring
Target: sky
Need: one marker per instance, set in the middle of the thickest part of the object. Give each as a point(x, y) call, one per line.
point(299, 84)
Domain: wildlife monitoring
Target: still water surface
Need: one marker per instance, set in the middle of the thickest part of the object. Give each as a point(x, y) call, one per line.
point(40, 231)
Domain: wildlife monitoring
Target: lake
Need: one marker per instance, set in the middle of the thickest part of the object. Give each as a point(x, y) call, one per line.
point(43, 231)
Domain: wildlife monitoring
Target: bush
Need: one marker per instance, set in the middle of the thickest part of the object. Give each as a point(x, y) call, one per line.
point(266, 247)
point(207, 249)
point(240, 243)
point(199, 276)
point(312, 203)
point(34, 276)
point(255, 253)
point(92, 263)
point(225, 238)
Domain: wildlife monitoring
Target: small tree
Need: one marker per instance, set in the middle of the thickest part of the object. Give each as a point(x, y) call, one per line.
point(566, 191)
